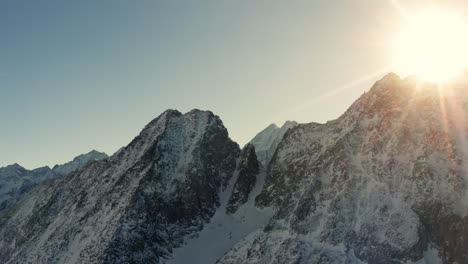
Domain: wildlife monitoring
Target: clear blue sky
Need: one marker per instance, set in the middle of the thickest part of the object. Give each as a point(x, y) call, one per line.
point(89, 74)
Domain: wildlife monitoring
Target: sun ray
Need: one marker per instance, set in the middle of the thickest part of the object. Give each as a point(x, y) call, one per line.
point(347, 86)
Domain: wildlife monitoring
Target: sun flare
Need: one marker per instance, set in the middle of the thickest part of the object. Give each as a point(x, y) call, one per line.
point(434, 46)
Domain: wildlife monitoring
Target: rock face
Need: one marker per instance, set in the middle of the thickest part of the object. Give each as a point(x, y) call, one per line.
point(16, 181)
point(248, 169)
point(267, 141)
point(132, 208)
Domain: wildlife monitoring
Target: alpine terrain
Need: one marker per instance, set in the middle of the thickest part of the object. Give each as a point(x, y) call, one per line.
point(386, 182)
point(16, 181)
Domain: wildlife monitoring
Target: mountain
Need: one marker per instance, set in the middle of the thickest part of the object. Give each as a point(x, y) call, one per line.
point(386, 182)
point(16, 181)
point(267, 141)
point(134, 207)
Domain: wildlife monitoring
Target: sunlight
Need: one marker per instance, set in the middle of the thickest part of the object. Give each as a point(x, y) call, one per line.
point(433, 46)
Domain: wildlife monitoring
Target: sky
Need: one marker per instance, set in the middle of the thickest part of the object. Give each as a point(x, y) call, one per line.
point(90, 74)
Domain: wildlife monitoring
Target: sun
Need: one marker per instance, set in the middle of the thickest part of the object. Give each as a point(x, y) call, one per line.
point(433, 46)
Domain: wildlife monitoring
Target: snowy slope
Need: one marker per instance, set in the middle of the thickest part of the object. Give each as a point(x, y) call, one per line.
point(267, 141)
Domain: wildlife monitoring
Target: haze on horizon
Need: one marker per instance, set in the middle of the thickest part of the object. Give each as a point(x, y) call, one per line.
point(86, 75)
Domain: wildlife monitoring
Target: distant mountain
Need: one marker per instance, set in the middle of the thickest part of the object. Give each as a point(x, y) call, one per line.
point(79, 162)
point(384, 183)
point(16, 181)
point(267, 141)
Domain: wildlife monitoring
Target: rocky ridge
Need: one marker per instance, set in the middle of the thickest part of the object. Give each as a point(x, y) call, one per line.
point(384, 183)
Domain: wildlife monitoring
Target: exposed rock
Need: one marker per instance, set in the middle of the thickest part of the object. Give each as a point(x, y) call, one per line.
point(248, 169)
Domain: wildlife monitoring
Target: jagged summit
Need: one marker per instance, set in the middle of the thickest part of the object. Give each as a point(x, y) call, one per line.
point(268, 139)
point(195, 115)
point(390, 76)
point(79, 162)
point(171, 113)
point(392, 94)
point(289, 124)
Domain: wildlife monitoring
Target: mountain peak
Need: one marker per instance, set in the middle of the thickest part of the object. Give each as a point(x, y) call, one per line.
point(390, 76)
point(15, 166)
point(289, 124)
point(267, 141)
point(158, 123)
point(198, 111)
point(387, 94)
point(169, 113)
point(79, 162)
point(93, 154)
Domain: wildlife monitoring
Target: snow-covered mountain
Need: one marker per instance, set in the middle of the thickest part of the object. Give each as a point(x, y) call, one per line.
point(384, 183)
point(266, 141)
point(16, 181)
point(134, 207)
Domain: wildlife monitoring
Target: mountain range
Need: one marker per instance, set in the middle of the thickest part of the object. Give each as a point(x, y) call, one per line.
point(386, 182)
point(16, 181)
